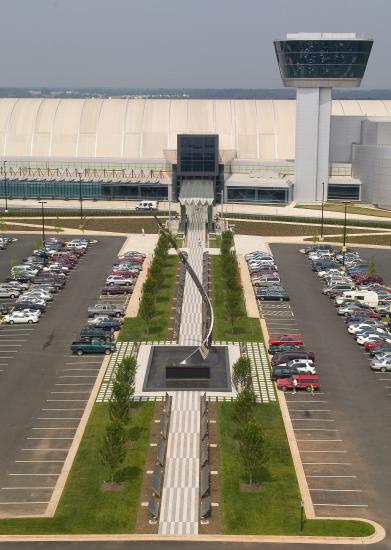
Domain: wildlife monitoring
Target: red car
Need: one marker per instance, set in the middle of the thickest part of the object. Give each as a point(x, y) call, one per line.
point(124, 272)
point(304, 382)
point(368, 279)
point(366, 313)
point(295, 339)
point(372, 345)
point(116, 289)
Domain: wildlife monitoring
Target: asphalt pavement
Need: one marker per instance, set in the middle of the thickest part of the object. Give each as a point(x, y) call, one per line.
point(44, 388)
point(353, 408)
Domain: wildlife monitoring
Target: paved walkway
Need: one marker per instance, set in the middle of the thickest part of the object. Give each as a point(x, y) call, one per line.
point(191, 322)
point(180, 498)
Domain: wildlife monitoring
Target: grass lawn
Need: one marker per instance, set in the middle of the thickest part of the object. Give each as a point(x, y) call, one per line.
point(384, 240)
point(276, 508)
point(355, 209)
point(119, 225)
point(134, 329)
point(269, 229)
point(83, 507)
point(246, 329)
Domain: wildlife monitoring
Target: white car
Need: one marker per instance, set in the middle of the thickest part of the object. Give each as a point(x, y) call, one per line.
point(302, 365)
point(39, 293)
point(119, 280)
point(356, 327)
point(98, 319)
point(372, 337)
point(329, 273)
point(21, 317)
point(382, 365)
point(56, 267)
point(7, 292)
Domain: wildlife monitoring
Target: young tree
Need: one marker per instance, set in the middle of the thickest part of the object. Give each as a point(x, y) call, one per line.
point(113, 451)
point(251, 448)
point(57, 227)
point(244, 405)
point(315, 236)
point(126, 373)
point(233, 306)
point(147, 308)
point(120, 401)
point(83, 224)
point(241, 374)
point(372, 267)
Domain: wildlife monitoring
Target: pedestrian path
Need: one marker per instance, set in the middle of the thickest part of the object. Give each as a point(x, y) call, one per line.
point(191, 321)
point(260, 371)
point(124, 349)
point(179, 510)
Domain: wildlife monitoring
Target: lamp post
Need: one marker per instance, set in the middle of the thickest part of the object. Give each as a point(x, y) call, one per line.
point(43, 231)
point(81, 199)
point(345, 203)
point(5, 187)
point(301, 515)
point(222, 209)
point(322, 218)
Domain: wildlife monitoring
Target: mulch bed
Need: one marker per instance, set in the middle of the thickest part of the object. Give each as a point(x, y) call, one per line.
point(111, 487)
point(214, 525)
point(247, 488)
point(142, 521)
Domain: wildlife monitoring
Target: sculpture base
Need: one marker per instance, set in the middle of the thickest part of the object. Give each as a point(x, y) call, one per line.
point(165, 371)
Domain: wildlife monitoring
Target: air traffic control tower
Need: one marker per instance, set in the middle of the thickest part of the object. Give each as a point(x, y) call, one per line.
point(314, 63)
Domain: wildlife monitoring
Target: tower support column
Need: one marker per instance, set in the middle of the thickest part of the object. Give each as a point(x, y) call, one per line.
point(313, 112)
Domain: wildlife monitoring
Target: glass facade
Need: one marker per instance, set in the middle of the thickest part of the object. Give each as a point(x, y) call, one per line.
point(344, 192)
point(254, 194)
point(330, 59)
point(94, 190)
point(197, 155)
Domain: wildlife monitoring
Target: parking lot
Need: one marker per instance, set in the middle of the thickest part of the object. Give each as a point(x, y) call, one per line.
point(44, 388)
point(344, 431)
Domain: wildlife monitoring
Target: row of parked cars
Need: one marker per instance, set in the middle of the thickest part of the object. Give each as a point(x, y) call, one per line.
point(105, 318)
point(264, 277)
point(292, 366)
point(38, 277)
point(360, 296)
point(5, 240)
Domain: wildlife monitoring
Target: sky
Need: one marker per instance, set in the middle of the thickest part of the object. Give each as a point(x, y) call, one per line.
point(174, 43)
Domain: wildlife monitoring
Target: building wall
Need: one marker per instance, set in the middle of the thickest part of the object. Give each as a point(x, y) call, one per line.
point(144, 128)
point(372, 165)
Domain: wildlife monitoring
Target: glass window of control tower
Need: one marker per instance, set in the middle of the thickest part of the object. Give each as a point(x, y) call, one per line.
point(198, 155)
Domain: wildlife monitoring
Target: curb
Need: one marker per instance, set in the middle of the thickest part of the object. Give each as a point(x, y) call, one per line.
point(376, 537)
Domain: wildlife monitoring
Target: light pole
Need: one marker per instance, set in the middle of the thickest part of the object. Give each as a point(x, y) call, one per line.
point(43, 231)
point(81, 199)
point(345, 203)
point(321, 223)
point(5, 187)
point(301, 515)
point(222, 209)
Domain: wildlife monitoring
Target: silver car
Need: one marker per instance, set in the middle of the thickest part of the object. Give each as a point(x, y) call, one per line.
point(381, 365)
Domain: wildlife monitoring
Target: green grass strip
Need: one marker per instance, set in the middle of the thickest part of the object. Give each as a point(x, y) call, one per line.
point(275, 510)
point(134, 329)
point(84, 508)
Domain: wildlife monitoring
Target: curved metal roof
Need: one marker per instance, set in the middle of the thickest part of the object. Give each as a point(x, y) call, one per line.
point(144, 128)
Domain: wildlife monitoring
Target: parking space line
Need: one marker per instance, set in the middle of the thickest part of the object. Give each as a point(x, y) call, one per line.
point(46, 428)
point(69, 392)
point(25, 502)
point(329, 476)
point(315, 430)
point(318, 440)
point(78, 376)
point(9, 340)
point(337, 490)
point(342, 505)
point(312, 420)
point(328, 451)
point(75, 384)
point(310, 410)
point(49, 438)
point(45, 449)
point(327, 463)
point(47, 475)
point(84, 363)
point(70, 409)
point(39, 461)
point(27, 488)
point(66, 400)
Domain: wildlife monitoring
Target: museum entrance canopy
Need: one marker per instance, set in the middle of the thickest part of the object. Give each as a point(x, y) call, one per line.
point(196, 192)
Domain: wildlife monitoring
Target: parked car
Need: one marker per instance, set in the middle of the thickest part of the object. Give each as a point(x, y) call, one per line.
point(91, 332)
point(8, 292)
point(105, 309)
point(275, 294)
point(105, 322)
point(119, 280)
point(381, 365)
point(284, 347)
point(95, 345)
point(284, 358)
point(287, 338)
point(304, 382)
point(21, 317)
point(282, 372)
point(116, 289)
